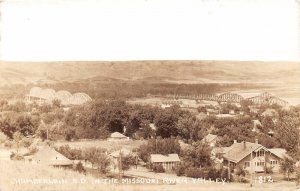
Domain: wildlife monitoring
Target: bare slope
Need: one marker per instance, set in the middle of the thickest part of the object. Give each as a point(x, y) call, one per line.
point(171, 71)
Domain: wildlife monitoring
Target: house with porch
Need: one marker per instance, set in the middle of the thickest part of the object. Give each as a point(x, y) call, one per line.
point(253, 157)
point(169, 162)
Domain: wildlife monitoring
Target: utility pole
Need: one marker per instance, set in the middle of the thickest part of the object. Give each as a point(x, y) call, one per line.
point(47, 134)
point(120, 166)
point(228, 170)
point(251, 169)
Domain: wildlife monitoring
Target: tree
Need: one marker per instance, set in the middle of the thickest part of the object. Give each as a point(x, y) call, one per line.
point(26, 124)
point(240, 171)
point(17, 139)
point(7, 128)
point(42, 131)
point(245, 105)
point(287, 166)
point(127, 161)
point(166, 121)
point(297, 175)
point(56, 103)
point(197, 155)
point(159, 146)
point(189, 127)
point(287, 133)
point(145, 130)
point(99, 158)
point(79, 167)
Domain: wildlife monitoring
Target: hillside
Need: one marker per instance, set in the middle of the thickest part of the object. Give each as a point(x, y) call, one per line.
point(153, 71)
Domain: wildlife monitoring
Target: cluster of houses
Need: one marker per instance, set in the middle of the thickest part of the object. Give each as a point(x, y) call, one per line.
point(251, 156)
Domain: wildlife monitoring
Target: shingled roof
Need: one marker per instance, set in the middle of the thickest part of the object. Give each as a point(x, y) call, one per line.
point(238, 151)
point(279, 152)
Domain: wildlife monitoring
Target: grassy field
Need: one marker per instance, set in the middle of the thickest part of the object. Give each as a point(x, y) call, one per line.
point(15, 174)
point(109, 145)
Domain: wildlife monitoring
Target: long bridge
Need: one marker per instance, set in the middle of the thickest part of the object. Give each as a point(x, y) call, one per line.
point(264, 98)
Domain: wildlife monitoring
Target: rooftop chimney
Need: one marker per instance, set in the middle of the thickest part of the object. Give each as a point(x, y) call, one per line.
point(256, 141)
point(234, 141)
point(244, 144)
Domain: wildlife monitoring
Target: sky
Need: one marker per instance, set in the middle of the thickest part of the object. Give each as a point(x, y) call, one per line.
point(59, 30)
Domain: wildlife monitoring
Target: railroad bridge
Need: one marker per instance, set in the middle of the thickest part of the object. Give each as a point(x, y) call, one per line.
point(264, 98)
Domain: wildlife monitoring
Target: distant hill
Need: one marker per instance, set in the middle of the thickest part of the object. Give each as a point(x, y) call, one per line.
point(151, 71)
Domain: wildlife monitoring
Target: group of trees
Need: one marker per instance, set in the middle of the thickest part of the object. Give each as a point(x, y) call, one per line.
point(101, 117)
point(96, 156)
point(159, 146)
point(195, 158)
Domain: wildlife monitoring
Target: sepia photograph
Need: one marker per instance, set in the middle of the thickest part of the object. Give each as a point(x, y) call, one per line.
point(149, 95)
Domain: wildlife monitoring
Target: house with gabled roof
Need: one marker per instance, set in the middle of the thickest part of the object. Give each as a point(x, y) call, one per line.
point(117, 136)
point(253, 157)
point(48, 156)
point(168, 162)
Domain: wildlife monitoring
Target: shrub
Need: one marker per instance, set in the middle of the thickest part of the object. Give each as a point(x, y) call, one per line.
point(224, 173)
point(194, 173)
point(158, 168)
point(213, 173)
point(207, 173)
point(8, 144)
point(79, 167)
point(32, 150)
point(242, 180)
point(127, 162)
point(269, 169)
point(26, 142)
point(16, 156)
point(73, 154)
point(180, 170)
point(240, 171)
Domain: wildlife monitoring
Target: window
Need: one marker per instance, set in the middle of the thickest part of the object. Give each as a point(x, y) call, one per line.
point(260, 153)
point(247, 164)
point(259, 163)
point(274, 162)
